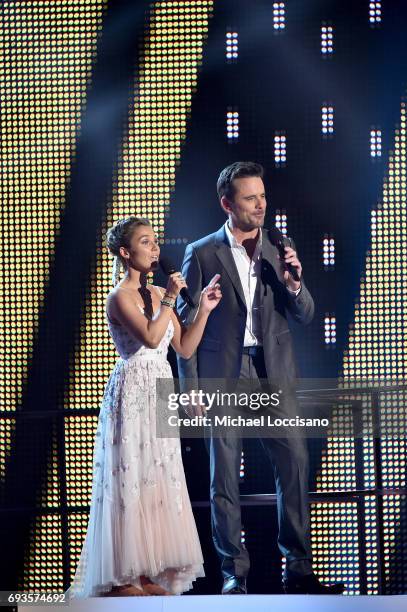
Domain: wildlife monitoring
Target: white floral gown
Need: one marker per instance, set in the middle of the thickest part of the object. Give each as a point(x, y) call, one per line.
point(141, 521)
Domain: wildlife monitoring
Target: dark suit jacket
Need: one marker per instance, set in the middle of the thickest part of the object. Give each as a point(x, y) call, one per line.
point(219, 354)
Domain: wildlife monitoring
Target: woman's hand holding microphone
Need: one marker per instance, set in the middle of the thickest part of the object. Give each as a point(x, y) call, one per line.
point(210, 295)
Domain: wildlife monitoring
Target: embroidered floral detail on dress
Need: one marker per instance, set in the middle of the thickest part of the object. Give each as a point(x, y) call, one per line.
point(178, 501)
point(124, 466)
point(175, 482)
point(149, 483)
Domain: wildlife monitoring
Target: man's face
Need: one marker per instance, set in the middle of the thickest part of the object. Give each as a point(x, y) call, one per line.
point(248, 208)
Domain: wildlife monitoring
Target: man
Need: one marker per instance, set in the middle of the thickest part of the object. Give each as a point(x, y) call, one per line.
point(247, 337)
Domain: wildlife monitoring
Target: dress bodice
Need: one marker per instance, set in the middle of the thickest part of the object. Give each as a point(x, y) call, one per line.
point(128, 346)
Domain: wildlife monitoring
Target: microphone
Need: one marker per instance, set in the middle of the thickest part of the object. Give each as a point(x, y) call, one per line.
point(168, 267)
point(280, 241)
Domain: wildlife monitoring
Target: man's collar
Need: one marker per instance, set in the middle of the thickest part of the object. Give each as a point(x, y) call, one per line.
point(233, 242)
point(229, 236)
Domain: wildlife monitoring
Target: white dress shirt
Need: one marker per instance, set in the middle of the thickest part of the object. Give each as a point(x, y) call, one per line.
point(249, 274)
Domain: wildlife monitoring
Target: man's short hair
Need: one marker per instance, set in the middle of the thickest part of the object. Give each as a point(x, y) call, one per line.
point(236, 170)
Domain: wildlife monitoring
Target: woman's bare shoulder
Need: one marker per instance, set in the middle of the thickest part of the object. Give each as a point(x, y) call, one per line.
point(111, 298)
point(117, 294)
point(115, 298)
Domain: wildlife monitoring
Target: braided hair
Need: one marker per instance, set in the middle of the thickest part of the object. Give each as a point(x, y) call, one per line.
point(119, 235)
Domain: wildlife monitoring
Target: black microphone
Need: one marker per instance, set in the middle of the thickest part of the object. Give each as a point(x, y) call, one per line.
point(168, 267)
point(280, 241)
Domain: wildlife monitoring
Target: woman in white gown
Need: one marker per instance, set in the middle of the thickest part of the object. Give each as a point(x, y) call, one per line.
point(141, 537)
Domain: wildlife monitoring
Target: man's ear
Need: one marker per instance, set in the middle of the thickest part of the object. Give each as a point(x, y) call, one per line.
point(226, 205)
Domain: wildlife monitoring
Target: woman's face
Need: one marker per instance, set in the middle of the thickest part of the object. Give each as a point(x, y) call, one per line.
point(144, 251)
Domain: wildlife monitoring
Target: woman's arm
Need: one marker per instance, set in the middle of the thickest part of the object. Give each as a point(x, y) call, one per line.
point(124, 309)
point(186, 339)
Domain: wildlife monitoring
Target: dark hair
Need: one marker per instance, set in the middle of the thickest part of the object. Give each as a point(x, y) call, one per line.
point(224, 185)
point(119, 235)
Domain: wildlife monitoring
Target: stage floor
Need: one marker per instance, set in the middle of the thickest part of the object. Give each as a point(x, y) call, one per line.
point(234, 603)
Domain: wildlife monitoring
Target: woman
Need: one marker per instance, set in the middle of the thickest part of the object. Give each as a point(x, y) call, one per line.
point(141, 537)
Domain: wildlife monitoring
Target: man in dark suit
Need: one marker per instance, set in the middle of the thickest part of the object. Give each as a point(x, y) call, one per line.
point(248, 338)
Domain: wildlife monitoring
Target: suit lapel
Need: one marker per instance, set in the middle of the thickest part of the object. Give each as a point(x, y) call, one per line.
point(269, 273)
point(224, 254)
point(269, 256)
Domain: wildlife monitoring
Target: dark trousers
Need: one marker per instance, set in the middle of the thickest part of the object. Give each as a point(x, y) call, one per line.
point(289, 460)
